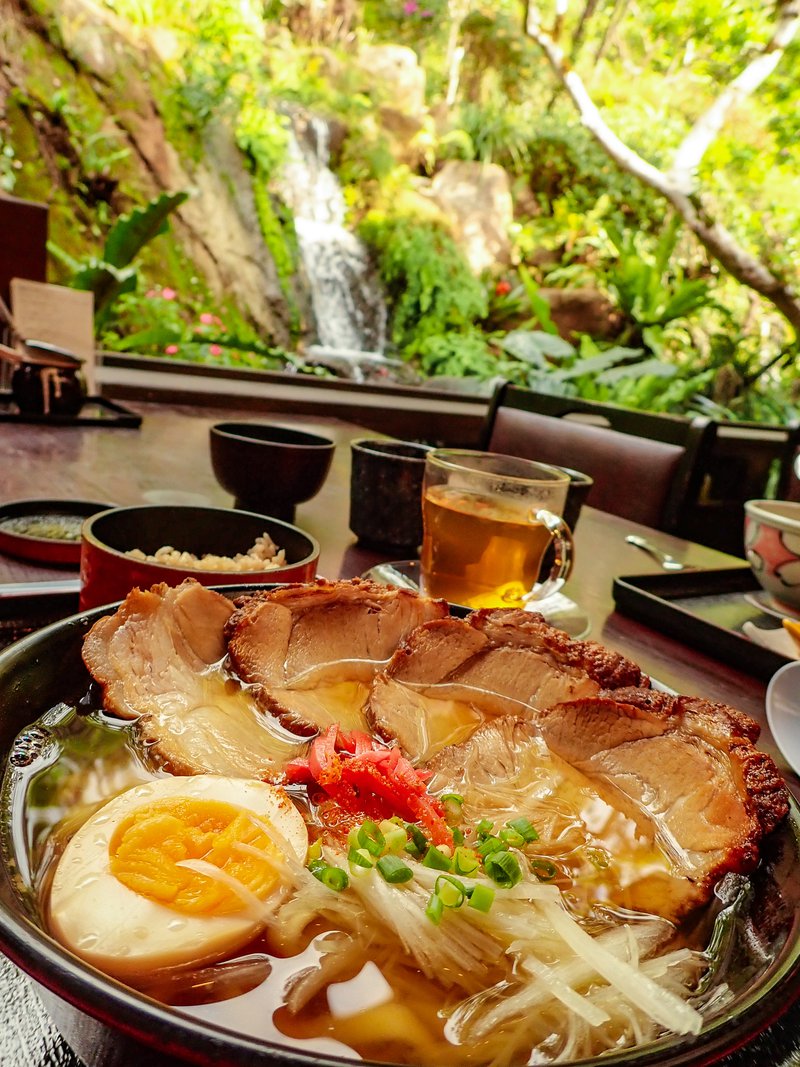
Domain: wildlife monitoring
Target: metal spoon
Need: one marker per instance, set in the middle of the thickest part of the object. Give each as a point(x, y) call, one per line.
point(669, 563)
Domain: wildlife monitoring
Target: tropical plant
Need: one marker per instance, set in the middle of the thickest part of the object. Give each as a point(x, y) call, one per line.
point(115, 272)
point(650, 288)
point(430, 288)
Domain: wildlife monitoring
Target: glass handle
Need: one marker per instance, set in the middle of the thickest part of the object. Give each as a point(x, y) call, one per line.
point(564, 548)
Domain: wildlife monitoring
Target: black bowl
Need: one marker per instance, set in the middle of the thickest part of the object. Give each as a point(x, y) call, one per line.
point(109, 1025)
point(269, 469)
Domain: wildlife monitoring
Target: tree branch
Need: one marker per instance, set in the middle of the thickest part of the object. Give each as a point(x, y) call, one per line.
point(743, 266)
point(707, 127)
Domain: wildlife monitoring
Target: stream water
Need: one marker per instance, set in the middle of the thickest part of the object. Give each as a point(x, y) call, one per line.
point(347, 301)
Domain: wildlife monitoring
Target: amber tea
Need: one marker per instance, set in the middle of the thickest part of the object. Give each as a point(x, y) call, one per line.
point(480, 552)
point(488, 520)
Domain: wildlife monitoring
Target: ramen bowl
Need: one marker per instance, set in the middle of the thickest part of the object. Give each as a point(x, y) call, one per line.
point(109, 572)
point(772, 547)
point(269, 469)
point(110, 1025)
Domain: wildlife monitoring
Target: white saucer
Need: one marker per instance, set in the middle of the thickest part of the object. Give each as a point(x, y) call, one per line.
point(768, 603)
point(783, 712)
point(558, 609)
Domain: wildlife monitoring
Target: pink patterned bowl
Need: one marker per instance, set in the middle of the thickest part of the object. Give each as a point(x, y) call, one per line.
point(772, 546)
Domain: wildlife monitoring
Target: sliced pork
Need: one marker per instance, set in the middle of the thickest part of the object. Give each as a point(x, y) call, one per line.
point(686, 763)
point(451, 674)
point(641, 799)
point(310, 651)
point(156, 659)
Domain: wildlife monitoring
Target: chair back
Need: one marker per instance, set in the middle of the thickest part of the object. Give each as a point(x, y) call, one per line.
point(645, 467)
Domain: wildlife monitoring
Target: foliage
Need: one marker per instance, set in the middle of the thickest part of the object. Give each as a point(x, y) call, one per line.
point(691, 337)
point(163, 322)
point(263, 135)
point(651, 290)
point(429, 285)
point(115, 272)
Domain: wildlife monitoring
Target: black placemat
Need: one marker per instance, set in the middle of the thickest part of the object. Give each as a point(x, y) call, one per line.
point(96, 411)
point(704, 609)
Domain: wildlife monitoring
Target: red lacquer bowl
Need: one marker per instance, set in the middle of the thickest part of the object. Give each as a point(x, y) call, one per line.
point(108, 573)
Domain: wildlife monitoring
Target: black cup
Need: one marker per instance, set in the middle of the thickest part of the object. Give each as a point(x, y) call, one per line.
point(580, 485)
point(386, 493)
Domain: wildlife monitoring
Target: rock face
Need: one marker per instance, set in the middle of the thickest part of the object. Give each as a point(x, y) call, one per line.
point(397, 73)
point(586, 310)
point(476, 199)
point(218, 225)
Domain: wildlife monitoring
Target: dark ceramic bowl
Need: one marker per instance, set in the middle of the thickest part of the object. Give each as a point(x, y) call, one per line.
point(269, 469)
point(110, 1025)
point(108, 573)
point(386, 493)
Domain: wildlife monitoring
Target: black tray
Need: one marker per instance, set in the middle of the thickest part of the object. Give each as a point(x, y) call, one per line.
point(706, 609)
point(22, 613)
point(96, 411)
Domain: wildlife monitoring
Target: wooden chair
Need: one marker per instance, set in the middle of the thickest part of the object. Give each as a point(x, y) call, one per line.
point(646, 467)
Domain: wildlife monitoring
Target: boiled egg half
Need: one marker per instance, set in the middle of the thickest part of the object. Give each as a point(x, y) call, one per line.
point(175, 871)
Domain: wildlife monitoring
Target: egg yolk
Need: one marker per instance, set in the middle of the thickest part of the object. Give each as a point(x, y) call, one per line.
point(150, 843)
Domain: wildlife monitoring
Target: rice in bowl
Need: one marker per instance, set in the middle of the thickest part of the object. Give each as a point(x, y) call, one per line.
point(264, 555)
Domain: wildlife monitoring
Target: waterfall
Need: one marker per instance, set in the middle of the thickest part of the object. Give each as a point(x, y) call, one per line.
point(346, 299)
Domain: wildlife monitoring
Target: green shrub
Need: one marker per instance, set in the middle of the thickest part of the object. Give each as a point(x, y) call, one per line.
point(429, 286)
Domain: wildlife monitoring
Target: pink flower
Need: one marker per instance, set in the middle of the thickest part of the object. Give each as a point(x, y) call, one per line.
point(215, 350)
point(410, 6)
point(168, 294)
point(151, 293)
point(207, 318)
point(171, 350)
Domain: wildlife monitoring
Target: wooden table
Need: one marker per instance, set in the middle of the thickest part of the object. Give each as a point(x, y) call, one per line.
point(167, 460)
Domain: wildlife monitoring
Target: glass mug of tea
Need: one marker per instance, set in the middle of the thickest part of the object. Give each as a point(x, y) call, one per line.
point(488, 520)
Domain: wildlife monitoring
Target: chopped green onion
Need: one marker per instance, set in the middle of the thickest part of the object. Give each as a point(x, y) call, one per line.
point(465, 860)
point(458, 835)
point(510, 838)
point(315, 850)
point(545, 870)
point(332, 877)
point(352, 837)
point(359, 857)
point(417, 839)
point(434, 909)
point(450, 891)
point(489, 845)
point(481, 898)
point(484, 827)
point(436, 860)
point(503, 868)
point(524, 827)
point(393, 869)
point(371, 838)
point(396, 838)
point(453, 803)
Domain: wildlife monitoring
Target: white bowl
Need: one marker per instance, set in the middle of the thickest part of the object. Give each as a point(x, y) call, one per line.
point(772, 546)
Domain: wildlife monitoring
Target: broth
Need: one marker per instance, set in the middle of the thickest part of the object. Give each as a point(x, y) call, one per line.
point(67, 764)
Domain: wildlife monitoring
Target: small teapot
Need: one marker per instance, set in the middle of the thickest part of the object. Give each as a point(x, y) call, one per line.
point(46, 379)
